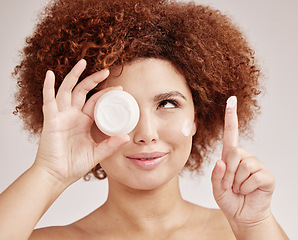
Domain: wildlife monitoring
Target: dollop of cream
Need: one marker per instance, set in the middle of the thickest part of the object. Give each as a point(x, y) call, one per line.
point(187, 127)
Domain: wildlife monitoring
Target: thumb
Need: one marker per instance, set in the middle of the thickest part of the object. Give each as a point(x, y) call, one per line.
point(109, 146)
point(216, 179)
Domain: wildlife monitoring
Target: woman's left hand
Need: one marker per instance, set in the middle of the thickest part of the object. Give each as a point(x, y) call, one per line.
point(242, 185)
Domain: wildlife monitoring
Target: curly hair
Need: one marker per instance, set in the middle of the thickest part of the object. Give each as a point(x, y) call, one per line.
point(202, 43)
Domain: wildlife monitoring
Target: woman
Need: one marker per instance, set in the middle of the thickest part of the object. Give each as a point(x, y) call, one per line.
point(181, 62)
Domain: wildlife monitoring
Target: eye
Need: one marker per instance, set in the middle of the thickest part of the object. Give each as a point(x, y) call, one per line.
point(168, 104)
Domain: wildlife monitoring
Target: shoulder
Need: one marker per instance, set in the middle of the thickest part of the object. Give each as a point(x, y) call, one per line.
point(218, 220)
point(88, 227)
point(58, 232)
point(214, 224)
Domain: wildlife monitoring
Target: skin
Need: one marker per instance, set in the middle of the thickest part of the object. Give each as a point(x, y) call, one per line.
point(142, 203)
point(159, 128)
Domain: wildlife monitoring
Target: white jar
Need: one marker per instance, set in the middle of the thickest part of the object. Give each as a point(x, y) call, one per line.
point(116, 113)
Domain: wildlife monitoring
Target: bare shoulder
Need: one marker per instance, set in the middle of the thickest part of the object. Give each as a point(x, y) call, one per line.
point(215, 225)
point(57, 233)
point(219, 222)
point(88, 227)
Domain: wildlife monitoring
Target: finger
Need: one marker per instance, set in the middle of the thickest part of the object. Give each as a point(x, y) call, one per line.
point(230, 136)
point(49, 102)
point(109, 146)
point(263, 180)
point(81, 90)
point(63, 97)
point(88, 108)
point(246, 168)
point(233, 159)
point(216, 179)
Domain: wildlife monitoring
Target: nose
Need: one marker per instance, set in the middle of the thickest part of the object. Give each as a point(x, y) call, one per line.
point(146, 130)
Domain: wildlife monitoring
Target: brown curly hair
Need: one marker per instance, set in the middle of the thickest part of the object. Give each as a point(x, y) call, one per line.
point(202, 43)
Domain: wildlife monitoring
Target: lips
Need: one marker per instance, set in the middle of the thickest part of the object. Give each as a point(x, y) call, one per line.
point(147, 160)
point(146, 156)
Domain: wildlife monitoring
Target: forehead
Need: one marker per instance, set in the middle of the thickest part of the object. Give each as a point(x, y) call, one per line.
point(148, 75)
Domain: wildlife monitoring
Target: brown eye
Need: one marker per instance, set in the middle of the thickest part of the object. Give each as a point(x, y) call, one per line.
point(168, 104)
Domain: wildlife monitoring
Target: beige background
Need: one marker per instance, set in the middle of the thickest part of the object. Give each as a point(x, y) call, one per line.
point(271, 27)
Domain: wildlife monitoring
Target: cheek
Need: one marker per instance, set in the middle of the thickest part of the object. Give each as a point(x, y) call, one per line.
point(178, 129)
point(178, 135)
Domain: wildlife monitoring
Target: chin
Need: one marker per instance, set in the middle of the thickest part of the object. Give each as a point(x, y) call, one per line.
point(148, 182)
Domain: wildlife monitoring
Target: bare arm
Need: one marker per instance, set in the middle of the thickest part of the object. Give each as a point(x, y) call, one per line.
point(25, 201)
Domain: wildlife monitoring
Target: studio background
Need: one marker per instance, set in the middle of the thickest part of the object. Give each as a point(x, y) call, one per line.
point(271, 27)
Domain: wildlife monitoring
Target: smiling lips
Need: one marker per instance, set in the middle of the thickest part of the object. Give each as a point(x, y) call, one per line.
point(147, 160)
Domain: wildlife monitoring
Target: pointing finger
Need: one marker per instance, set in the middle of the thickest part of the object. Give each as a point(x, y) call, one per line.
point(230, 136)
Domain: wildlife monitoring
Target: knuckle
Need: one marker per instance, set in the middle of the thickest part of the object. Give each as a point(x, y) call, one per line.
point(82, 92)
point(271, 177)
point(258, 179)
point(247, 164)
point(236, 151)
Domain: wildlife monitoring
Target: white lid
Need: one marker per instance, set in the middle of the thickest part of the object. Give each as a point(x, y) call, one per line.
point(116, 113)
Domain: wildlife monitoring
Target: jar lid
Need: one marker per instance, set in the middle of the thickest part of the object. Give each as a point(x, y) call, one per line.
point(116, 113)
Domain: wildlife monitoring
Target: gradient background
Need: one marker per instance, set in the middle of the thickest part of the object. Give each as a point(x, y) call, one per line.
point(271, 27)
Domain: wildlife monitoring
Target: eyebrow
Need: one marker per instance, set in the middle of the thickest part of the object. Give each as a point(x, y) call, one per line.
point(167, 95)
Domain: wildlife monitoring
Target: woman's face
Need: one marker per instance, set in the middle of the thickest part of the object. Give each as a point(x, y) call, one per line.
point(161, 142)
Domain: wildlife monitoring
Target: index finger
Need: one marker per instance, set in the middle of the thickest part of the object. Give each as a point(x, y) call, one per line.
point(231, 135)
point(63, 96)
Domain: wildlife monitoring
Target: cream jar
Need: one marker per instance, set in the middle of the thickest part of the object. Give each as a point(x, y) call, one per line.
point(116, 113)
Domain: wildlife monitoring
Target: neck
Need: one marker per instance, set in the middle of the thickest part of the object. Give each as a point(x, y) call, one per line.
point(147, 210)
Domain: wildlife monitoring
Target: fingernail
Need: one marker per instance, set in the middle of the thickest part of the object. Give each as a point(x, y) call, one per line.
point(118, 88)
point(106, 72)
point(82, 61)
point(236, 190)
point(231, 102)
point(50, 72)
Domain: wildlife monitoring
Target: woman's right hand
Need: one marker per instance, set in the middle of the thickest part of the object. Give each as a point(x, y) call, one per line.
point(66, 150)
